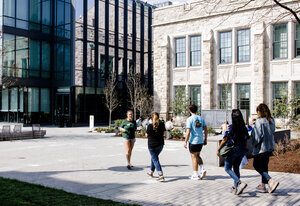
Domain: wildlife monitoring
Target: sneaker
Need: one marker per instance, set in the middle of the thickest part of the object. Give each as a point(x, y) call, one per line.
point(129, 167)
point(233, 190)
point(240, 188)
point(272, 185)
point(195, 177)
point(150, 174)
point(160, 178)
point(203, 174)
point(261, 188)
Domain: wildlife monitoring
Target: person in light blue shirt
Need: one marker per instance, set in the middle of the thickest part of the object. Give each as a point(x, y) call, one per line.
point(195, 125)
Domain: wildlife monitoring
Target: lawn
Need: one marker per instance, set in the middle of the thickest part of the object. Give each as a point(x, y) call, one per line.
point(14, 192)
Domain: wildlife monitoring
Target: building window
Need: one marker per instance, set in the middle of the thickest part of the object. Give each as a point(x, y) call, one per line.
point(180, 49)
point(243, 45)
point(225, 47)
point(195, 97)
point(243, 96)
point(225, 96)
point(297, 41)
point(195, 53)
point(280, 92)
point(280, 44)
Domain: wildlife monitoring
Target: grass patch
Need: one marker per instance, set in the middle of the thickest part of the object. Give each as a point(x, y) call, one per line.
point(14, 192)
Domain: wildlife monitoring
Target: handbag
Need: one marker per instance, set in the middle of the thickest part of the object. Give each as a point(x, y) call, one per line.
point(225, 151)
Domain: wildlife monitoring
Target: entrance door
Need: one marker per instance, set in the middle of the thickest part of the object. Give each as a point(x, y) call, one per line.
point(62, 106)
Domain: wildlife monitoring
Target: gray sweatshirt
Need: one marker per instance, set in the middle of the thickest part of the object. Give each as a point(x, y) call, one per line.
point(262, 137)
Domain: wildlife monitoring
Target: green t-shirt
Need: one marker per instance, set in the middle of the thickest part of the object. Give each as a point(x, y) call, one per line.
point(130, 127)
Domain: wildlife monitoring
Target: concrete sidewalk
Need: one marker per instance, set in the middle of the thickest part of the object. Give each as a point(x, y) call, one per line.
point(93, 164)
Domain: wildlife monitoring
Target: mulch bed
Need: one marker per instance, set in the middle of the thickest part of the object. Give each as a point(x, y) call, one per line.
point(286, 162)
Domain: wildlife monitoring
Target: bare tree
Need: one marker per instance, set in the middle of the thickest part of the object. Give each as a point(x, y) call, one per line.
point(139, 97)
point(111, 96)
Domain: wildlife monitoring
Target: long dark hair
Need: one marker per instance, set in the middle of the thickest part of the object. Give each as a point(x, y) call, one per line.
point(264, 111)
point(238, 123)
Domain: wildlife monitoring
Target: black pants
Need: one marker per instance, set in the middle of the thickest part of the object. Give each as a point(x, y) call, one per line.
point(260, 164)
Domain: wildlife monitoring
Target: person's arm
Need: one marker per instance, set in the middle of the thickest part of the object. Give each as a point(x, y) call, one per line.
point(121, 127)
point(221, 145)
point(205, 135)
point(187, 137)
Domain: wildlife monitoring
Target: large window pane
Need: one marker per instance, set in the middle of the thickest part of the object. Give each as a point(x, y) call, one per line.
point(45, 100)
point(21, 56)
point(225, 47)
point(280, 44)
point(46, 9)
point(4, 100)
point(243, 96)
point(34, 58)
point(195, 97)
point(8, 55)
point(45, 59)
point(60, 12)
point(225, 96)
point(195, 46)
point(22, 14)
point(21, 100)
point(297, 41)
point(9, 12)
point(180, 56)
point(59, 61)
point(14, 99)
point(35, 14)
point(243, 45)
point(33, 99)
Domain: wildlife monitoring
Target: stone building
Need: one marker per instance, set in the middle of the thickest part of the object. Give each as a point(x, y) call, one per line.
point(233, 54)
point(111, 36)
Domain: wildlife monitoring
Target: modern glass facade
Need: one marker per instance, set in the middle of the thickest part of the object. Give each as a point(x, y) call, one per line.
point(37, 58)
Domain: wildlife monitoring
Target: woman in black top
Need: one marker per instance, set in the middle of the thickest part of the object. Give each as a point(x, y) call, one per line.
point(155, 135)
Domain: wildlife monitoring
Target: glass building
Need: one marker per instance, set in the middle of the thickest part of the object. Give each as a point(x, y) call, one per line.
point(37, 60)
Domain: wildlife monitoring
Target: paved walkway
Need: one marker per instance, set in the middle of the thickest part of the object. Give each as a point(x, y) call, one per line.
point(94, 164)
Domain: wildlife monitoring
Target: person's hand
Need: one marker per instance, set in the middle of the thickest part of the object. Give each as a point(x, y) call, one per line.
point(122, 129)
point(205, 141)
point(218, 153)
point(185, 145)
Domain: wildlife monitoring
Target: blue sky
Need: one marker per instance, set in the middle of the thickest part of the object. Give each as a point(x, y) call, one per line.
point(79, 3)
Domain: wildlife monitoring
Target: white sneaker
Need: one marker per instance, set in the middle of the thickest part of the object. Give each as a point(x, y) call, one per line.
point(195, 177)
point(203, 174)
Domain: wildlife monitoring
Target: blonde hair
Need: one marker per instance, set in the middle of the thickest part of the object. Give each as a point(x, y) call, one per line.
point(155, 119)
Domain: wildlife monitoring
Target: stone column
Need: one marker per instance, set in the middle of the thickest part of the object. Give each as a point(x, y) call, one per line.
point(207, 67)
point(259, 69)
point(161, 77)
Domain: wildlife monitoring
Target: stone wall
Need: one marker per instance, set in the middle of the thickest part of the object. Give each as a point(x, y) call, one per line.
point(207, 19)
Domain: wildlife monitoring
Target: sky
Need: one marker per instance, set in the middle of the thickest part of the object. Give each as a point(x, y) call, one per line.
point(79, 3)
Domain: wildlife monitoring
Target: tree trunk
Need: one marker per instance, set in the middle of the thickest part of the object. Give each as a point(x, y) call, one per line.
point(109, 118)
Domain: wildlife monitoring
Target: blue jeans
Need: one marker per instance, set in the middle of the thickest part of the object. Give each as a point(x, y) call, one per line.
point(154, 152)
point(260, 164)
point(234, 160)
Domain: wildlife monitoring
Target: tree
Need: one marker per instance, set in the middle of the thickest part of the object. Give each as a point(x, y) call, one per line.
point(180, 103)
point(111, 96)
point(139, 96)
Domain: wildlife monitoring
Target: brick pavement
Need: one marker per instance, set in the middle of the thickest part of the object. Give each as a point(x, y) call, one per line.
point(94, 164)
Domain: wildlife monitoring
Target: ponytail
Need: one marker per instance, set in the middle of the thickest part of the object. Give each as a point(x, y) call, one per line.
point(155, 119)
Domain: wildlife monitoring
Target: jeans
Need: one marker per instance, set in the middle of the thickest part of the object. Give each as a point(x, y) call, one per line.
point(154, 152)
point(168, 134)
point(234, 160)
point(260, 164)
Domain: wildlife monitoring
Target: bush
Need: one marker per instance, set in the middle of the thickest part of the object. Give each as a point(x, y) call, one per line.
point(105, 129)
point(176, 134)
point(118, 122)
point(286, 145)
point(143, 131)
point(211, 130)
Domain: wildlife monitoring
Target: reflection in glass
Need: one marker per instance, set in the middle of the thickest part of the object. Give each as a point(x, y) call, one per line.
point(45, 59)
point(45, 100)
point(33, 99)
point(4, 101)
point(22, 14)
point(34, 51)
point(9, 11)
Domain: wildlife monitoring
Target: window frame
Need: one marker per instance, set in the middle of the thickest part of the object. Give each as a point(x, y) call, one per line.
point(176, 65)
point(246, 45)
point(195, 51)
point(190, 96)
point(229, 107)
point(220, 48)
point(238, 101)
point(296, 40)
point(279, 42)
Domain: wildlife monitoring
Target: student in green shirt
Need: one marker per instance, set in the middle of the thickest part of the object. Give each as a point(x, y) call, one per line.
point(128, 128)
